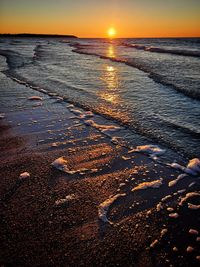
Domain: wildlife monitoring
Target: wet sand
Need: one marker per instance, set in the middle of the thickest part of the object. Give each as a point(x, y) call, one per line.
point(53, 218)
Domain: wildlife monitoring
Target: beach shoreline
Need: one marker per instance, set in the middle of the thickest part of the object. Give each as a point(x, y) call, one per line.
point(100, 205)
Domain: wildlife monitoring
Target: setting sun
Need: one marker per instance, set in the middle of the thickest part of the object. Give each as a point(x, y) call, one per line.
point(111, 32)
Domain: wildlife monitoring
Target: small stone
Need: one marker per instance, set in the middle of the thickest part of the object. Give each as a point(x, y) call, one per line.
point(189, 249)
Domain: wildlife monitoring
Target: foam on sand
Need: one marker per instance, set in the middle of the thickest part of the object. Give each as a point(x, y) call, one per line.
point(152, 150)
point(34, 97)
point(173, 215)
point(174, 182)
point(79, 113)
point(87, 114)
point(163, 232)
point(102, 127)
point(188, 196)
point(64, 200)
point(154, 243)
point(145, 185)
point(193, 232)
point(193, 167)
point(60, 164)
point(76, 111)
point(24, 175)
point(193, 206)
point(104, 207)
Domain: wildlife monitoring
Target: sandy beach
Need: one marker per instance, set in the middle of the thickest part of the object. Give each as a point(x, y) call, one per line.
point(86, 199)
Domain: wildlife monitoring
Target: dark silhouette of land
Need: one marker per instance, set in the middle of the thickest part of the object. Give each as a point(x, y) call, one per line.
point(35, 35)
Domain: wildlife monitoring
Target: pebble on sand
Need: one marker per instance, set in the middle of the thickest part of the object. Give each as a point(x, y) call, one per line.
point(189, 249)
point(24, 175)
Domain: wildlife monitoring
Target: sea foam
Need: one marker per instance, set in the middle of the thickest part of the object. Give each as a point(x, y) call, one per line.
point(104, 207)
point(145, 185)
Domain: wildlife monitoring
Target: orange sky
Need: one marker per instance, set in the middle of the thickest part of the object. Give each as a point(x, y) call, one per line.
point(92, 18)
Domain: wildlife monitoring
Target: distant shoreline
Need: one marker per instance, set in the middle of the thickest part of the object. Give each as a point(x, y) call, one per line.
point(35, 35)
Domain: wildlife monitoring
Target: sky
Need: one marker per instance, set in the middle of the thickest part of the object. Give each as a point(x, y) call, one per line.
point(92, 18)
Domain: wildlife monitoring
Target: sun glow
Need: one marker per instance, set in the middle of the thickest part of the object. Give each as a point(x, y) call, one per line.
point(111, 32)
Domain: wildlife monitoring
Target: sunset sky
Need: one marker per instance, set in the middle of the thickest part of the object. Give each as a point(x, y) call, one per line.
point(92, 18)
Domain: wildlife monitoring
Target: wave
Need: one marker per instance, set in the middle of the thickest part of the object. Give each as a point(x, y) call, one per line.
point(80, 49)
point(16, 60)
point(13, 59)
point(37, 52)
point(133, 127)
point(173, 124)
point(179, 52)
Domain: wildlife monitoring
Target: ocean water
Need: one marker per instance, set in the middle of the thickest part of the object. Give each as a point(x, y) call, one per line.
point(149, 86)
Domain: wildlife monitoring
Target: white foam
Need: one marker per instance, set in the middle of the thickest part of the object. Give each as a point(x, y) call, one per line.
point(193, 232)
point(104, 207)
point(177, 166)
point(159, 206)
point(154, 243)
point(64, 200)
point(193, 167)
point(173, 215)
point(43, 91)
point(170, 209)
point(163, 232)
point(193, 206)
point(35, 98)
point(24, 175)
point(61, 164)
point(76, 111)
point(86, 114)
point(70, 106)
point(152, 150)
point(181, 191)
point(2, 115)
point(102, 127)
point(166, 198)
point(126, 158)
point(174, 182)
point(190, 185)
point(188, 196)
point(145, 185)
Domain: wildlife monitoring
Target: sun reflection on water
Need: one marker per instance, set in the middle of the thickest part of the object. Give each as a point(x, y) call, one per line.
point(111, 51)
point(111, 79)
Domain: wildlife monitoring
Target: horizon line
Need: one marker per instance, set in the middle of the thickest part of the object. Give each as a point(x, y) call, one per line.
point(72, 35)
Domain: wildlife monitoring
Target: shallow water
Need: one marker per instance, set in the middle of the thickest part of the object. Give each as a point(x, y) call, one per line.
point(150, 86)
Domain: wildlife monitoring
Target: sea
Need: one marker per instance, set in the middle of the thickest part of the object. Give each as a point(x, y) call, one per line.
point(149, 87)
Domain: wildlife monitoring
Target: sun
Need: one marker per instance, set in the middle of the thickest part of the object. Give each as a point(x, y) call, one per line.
point(111, 32)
